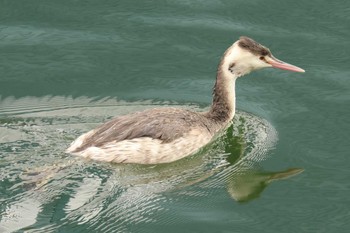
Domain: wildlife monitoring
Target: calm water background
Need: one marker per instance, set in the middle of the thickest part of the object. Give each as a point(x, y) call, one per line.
point(68, 65)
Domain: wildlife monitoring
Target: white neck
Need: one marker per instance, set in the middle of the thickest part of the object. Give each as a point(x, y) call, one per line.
point(235, 63)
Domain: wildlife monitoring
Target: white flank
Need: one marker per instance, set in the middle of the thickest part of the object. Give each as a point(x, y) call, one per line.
point(144, 150)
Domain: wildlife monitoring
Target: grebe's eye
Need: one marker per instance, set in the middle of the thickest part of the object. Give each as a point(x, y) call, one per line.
point(262, 58)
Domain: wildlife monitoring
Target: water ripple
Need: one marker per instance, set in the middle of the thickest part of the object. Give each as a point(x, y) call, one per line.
point(30, 35)
point(65, 191)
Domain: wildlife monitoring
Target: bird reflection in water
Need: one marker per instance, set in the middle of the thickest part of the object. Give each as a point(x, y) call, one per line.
point(241, 172)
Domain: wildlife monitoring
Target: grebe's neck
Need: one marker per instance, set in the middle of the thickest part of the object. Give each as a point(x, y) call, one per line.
point(235, 63)
point(224, 99)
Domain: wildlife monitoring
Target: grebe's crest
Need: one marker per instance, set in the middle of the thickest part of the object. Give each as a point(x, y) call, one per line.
point(253, 46)
point(244, 56)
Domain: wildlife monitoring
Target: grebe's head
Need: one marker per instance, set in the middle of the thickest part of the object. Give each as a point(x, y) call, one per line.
point(246, 55)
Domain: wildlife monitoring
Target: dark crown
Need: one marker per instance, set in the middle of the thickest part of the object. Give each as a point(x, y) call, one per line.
point(252, 46)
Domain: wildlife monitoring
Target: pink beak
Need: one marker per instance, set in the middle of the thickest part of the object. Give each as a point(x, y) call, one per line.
point(274, 62)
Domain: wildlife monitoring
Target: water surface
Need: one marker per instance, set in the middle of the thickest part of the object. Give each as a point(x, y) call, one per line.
point(67, 66)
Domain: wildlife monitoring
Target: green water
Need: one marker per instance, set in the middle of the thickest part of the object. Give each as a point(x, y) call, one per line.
point(67, 66)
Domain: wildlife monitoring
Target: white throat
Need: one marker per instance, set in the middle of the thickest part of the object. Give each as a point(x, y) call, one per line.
point(235, 63)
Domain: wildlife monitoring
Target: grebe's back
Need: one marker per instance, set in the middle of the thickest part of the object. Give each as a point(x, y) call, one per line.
point(152, 136)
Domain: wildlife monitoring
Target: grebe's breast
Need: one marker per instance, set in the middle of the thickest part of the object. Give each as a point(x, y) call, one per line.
point(153, 136)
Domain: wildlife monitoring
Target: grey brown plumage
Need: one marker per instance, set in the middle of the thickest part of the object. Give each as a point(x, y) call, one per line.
point(165, 124)
point(167, 134)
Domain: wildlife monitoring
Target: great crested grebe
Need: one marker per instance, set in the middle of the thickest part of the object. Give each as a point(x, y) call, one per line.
point(165, 135)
